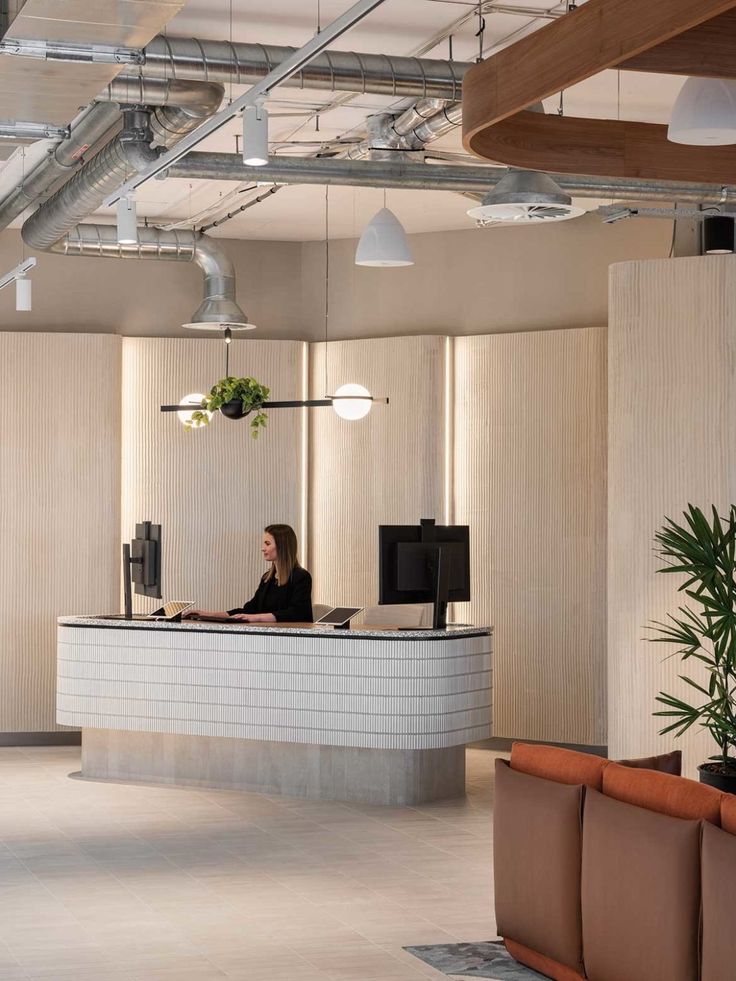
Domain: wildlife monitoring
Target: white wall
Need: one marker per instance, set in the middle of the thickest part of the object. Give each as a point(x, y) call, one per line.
point(530, 480)
point(59, 505)
point(672, 424)
point(213, 490)
point(388, 468)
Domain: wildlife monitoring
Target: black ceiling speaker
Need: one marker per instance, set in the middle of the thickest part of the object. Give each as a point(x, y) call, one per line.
point(718, 235)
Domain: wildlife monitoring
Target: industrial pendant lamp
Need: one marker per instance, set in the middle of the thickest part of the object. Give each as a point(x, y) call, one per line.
point(383, 242)
point(704, 113)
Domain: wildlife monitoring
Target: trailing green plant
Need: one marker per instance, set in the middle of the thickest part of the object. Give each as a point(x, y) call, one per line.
point(249, 392)
point(704, 631)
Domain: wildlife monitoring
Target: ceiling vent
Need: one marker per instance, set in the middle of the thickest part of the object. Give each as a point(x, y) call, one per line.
point(525, 197)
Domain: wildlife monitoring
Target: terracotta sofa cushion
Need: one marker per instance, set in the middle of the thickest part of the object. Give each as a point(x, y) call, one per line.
point(665, 763)
point(728, 813)
point(537, 842)
point(662, 792)
point(640, 893)
point(544, 965)
point(561, 765)
point(718, 868)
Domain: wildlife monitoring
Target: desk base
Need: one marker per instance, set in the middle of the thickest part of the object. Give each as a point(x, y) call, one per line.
point(372, 776)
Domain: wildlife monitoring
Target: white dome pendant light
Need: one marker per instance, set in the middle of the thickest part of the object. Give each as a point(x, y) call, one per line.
point(383, 242)
point(350, 401)
point(704, 113)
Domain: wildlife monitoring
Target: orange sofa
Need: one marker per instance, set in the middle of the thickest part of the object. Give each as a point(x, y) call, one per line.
point(613, 872)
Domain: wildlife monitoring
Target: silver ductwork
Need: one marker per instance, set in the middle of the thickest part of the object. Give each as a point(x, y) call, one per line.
point(219, 307)
point(137, 90)
point(427, 120)
point(424, 177)
point(91, 126)
point(128, 153)
point(343, 71)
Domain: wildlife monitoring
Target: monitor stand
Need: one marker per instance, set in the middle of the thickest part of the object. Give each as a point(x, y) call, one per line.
point(440, 589)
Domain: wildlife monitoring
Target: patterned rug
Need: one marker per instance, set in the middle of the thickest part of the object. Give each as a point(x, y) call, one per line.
point(488, 959)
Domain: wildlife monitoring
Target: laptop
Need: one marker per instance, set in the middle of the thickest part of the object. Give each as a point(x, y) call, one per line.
point(339, 616)
point(171, 611)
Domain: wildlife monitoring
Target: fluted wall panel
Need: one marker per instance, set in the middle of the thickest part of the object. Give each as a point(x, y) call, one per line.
point(60, 505)
point(388, 468)
point(213, 490)
point(672, 379)
point(530, 480)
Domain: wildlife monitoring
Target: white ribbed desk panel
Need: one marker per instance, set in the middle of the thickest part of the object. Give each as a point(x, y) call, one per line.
point(327, 690)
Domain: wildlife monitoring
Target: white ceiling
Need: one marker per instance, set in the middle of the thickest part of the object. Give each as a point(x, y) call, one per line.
point(397, 27)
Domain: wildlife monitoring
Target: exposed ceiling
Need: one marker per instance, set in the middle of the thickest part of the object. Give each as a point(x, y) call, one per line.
point(302, 120)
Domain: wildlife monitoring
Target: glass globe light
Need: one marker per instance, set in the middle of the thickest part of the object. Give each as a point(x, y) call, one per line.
point(352, 408)
point(185, 418)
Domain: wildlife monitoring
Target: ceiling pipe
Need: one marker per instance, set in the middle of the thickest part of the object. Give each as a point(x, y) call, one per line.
point(93, 124)
point(136, 90)
point(430, 177)
point(128, 153)
point(335, 71)
point(219, 306)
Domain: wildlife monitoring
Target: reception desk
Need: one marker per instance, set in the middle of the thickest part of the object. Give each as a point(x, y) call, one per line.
point(376, 715)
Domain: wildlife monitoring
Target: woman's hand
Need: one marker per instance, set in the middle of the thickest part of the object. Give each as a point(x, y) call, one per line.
point(243, 617)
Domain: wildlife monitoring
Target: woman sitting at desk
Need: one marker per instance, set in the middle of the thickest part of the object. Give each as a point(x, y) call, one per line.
point(284, 593)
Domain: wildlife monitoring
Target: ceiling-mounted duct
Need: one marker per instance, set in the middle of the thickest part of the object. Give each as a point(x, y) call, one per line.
point(218, 309)
point(525, 197)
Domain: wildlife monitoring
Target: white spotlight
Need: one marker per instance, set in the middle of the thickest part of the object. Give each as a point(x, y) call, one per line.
point(22, 293)
point(352, 408)
point(185, 418)
point(127, 222)
point(255, 136)
point(383, 242)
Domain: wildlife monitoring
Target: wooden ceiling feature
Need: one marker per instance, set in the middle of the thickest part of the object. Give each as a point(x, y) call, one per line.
point(601, 34)
point(706, 50)
point(605, 147)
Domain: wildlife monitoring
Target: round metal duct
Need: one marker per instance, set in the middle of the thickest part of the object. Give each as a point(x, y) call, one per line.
point(525, 197)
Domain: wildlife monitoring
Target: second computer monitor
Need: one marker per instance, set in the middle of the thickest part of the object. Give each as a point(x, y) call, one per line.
point(408, 557)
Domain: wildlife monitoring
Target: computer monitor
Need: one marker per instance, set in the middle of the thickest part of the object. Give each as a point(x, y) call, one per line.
point(142, 564)
point(424, 563)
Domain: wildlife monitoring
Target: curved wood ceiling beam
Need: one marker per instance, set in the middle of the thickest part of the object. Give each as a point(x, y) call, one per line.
point(708, 50)
point(601, 147)
point(601, 34)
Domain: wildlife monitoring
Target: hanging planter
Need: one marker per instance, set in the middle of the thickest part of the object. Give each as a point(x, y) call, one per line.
point(235, 398)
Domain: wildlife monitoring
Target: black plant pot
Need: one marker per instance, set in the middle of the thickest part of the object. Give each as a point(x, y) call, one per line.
point(721, 781)
point(234, 409)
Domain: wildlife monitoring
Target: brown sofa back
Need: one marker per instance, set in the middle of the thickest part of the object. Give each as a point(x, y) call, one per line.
point(636, 865)
point(640, 893)
point(537, 851)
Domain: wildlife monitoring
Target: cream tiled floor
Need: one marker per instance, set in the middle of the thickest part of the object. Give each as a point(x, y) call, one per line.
point(123, 882)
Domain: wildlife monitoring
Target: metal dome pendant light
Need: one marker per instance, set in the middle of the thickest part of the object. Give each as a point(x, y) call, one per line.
point(383, 243)
point(525, 197)
point(350, 401)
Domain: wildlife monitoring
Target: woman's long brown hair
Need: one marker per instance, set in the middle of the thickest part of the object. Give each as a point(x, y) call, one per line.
point(286, 552)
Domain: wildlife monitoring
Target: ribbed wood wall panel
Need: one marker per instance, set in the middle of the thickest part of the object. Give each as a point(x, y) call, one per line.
point(212, 490)
point(59, 520)
point(388, 468)
point(530, 480)
point(672, 381)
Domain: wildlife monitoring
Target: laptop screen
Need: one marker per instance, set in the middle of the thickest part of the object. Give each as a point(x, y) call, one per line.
point(340, 615)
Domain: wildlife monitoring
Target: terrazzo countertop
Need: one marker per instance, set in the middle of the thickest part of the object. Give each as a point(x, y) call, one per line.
point(301, 630)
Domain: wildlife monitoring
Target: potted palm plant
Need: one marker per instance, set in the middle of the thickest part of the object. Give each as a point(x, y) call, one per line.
point(235, 398)
point(703, 551)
